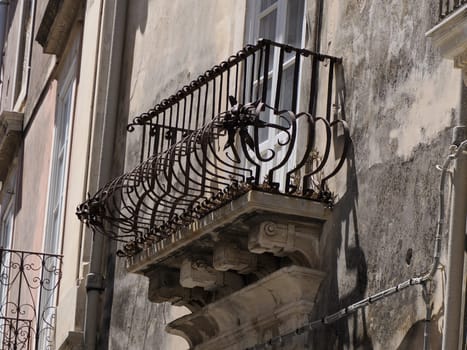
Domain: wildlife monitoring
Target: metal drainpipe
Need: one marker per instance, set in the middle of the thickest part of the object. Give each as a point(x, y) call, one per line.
point(113, 23)
point(452, 332)
point(3, 13)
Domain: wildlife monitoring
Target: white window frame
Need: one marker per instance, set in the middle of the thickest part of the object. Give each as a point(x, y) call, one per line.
point(23, 63)
point(59, 171)
point(7, 223)
point(6, 242)
point(57, 188)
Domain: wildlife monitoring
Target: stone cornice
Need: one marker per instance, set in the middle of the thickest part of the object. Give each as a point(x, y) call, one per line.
point(56, 24)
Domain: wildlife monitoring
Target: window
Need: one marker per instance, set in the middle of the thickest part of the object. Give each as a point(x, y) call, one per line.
point(280, 21)
point(23, 49)
point(56, 198)
point(7, 226)
point(6, 238)
point(58, 176)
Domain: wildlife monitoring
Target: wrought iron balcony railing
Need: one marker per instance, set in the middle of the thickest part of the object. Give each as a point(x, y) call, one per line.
point(28, 286)
point(448, 7)
point(233, 129)
point(242, 76)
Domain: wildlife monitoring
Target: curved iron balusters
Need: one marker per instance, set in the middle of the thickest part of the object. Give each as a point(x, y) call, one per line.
point(212, 166)
point(205, 145)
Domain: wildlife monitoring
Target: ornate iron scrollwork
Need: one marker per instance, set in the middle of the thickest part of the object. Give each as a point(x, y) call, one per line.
point(28, 285)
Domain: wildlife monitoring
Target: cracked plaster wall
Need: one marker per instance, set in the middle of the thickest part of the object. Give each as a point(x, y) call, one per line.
point(402, 101)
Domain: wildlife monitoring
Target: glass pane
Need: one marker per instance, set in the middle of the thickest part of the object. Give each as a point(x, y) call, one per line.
point(287, 88)
point(267, 26)
point(266, 3)
point(294, 22)
point(267, 30)
point(266, 116)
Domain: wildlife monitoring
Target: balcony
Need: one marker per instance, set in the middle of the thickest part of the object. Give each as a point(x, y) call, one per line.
point(28, 288)
point(225, 211)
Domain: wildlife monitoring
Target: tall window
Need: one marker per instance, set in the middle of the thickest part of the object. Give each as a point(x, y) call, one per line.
point(24, 49)
point(63, 118)
point(280, 21)
point(6, 238)
point(56, 199)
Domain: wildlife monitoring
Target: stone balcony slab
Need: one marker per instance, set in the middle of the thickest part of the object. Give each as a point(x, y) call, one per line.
point(235, 217)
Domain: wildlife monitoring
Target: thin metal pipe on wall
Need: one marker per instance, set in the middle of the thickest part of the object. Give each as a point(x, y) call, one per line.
point(453, 332)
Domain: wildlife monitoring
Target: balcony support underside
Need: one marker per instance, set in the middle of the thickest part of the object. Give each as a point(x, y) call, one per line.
point(247, 271)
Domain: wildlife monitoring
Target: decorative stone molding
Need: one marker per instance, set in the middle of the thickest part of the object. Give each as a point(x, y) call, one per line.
point(288, 238)
point(450, 36)
point(197, 272)
point(236, 218)
point(164, 286)
point(229, 256)
point(274, 305)
point(11, 128)
point(56, 24)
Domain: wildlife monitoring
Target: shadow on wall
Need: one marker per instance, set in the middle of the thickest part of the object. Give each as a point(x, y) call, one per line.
point(353, 330)
point(346, 266)
point(342, 240)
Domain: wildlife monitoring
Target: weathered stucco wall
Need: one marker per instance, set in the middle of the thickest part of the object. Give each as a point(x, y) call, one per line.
point(168, 44)
point(42, 66)
point(401, 102)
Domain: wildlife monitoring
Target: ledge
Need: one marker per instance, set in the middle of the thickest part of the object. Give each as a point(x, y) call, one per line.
point(56, 24)
point(251, 204)
point(11, 128)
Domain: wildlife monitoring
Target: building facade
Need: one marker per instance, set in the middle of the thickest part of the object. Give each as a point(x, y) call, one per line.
point(281, 174)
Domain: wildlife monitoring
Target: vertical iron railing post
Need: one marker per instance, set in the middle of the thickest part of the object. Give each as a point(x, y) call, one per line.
point(18, 297)
point(39, 304)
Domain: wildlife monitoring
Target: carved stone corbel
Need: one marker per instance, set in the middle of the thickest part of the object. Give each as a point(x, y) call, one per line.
point(229, 256)
point(197, 272)
point(299, 241)
point(276, 304)
point(164, 286)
